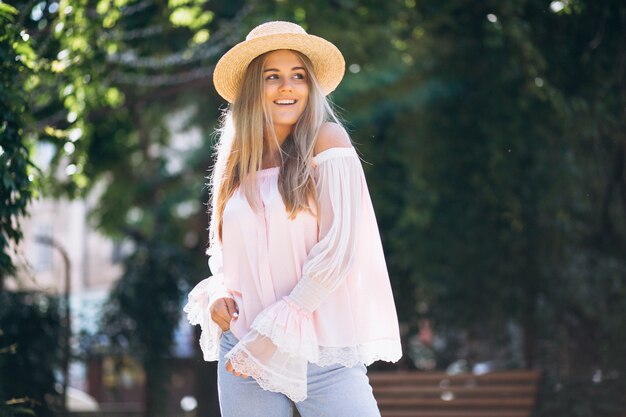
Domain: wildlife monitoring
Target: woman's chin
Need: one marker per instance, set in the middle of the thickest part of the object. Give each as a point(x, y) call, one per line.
point(284, 124)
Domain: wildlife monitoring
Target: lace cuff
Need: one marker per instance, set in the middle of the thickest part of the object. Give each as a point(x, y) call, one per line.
point(199, 301)
point(277, 349)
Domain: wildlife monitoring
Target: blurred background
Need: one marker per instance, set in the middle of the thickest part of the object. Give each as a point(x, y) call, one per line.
point(494, 141)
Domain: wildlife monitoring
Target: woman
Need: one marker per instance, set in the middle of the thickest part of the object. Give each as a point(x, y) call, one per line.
point(299, 299)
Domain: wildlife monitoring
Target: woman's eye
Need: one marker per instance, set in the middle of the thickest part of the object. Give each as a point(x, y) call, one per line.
point(276, 77)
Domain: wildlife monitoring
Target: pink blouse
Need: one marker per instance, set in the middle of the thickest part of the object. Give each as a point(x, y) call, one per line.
point(306, 292)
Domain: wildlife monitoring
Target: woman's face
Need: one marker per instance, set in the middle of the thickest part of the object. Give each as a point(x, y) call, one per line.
point(286, 89)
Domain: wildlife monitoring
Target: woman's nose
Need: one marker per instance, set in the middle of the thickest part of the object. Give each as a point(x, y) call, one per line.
point(286, 85)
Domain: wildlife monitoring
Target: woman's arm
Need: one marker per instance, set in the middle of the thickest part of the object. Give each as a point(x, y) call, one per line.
point(221, 304)
point(339, 186)
point(207, 296)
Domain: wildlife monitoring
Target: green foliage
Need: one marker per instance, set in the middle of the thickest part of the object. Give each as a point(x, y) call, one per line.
point(29, 354)
point(499, 181)
point(15, 185)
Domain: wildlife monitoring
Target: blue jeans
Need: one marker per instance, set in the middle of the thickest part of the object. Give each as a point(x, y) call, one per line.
point(332, 391)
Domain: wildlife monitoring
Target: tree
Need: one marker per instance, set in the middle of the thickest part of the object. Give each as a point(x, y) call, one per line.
point(15, 187)
point(499, 131)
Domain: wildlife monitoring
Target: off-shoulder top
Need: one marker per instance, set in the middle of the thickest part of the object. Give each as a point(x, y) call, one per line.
point(307, 289)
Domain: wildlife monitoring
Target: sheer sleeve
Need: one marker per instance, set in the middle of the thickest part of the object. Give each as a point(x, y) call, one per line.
point(340, 192)
point(200, 299)
point(282, 338)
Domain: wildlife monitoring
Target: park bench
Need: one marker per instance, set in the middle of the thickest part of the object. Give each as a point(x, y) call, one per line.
point(437, 394)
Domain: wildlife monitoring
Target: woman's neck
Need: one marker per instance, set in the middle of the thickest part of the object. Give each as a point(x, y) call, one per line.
point(271, 148)
point(271, 154)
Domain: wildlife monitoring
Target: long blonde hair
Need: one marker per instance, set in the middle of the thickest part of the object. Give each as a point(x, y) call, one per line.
point(240, 147)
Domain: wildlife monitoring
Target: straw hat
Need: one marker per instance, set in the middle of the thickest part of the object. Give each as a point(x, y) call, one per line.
point(328, 63)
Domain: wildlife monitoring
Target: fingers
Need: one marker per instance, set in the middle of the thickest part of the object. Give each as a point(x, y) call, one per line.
point(221, 312)
point(229, 368)
point(232, 308)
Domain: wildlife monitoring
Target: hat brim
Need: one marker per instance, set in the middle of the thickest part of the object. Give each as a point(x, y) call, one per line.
point(327, 60)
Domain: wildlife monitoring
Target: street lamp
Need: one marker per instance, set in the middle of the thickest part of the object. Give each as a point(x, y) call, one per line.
point(46, 240)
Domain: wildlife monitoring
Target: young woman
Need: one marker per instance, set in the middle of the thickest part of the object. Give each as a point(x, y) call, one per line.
point(299, 301)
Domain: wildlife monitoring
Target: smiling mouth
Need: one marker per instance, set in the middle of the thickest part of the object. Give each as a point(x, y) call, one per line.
point(285, 102)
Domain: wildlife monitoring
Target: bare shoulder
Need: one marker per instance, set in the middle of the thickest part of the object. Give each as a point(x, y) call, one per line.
point(331, 135)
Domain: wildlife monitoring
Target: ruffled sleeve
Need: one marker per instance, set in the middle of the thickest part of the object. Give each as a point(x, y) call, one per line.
point(282, 338)
point(200, 299)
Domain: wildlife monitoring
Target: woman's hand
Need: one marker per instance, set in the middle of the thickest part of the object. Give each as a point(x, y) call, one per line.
point(229, 368)
point(223, 311)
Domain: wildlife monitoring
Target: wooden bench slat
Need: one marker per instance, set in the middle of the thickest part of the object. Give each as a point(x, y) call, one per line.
point(443, 413)
point(458, 402)
point(385, 390)
point(437, 394)
point(428, 377)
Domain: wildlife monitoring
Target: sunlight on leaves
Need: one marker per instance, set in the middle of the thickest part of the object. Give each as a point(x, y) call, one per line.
point(201, 36)
point(191, 17)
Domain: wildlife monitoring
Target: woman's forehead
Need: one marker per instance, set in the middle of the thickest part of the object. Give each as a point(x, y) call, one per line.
point(282, 57)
